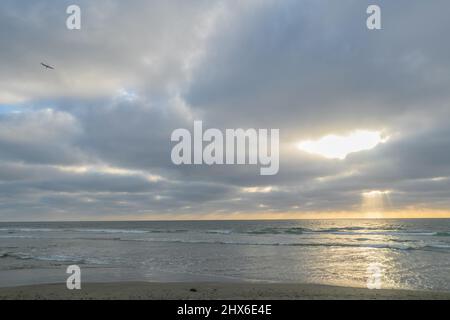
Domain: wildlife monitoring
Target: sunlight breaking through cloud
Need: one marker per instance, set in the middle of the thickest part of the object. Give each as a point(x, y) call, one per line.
point(339, 147)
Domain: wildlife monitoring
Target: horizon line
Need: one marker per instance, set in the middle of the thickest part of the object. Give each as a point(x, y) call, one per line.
point(230, 220)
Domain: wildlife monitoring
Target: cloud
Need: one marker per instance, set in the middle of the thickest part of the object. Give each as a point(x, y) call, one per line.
point(91, 139)
point(314, 67)
point(134, 44)
point(44, 136)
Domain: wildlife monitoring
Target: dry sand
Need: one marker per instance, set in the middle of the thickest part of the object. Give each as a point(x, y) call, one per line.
point(209, 291)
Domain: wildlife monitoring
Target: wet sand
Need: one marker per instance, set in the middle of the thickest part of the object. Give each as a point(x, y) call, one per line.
point(209, 291)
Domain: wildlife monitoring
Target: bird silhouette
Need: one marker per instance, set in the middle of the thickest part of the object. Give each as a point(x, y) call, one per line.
point(47, 66)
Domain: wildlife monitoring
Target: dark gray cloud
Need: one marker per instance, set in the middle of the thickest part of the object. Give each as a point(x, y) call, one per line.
point(91, 139)
point(313, 66)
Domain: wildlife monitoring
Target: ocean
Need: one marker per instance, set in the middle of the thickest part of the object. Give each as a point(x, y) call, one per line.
point(408, 254)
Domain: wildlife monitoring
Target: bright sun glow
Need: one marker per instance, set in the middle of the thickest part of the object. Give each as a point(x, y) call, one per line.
point(376, 193)
point(338, 147)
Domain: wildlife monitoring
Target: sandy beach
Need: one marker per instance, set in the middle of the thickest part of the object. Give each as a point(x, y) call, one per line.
point(210, 291)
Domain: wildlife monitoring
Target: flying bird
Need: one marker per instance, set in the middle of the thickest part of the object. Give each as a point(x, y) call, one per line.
point(47, 66)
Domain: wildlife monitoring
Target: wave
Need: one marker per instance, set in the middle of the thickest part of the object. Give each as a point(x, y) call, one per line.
point(16, 237)
point(355, 230)
point(108, 230)
point(130, 231)
point(296, 230)
point(348, 231)
point(407, 245)
point(362, 233)
point(55, 258)
point(438, 246)
point(219, 231)
point(12, 230)
point(442, 234)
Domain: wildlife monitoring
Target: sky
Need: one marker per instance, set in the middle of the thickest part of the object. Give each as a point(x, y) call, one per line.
point(363, 114)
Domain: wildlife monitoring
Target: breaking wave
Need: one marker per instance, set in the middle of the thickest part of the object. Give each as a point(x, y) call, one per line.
point(54, 258)
point(407, 245)
point(349, 231)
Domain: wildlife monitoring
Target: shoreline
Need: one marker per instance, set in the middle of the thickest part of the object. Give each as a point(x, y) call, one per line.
point(211, 291)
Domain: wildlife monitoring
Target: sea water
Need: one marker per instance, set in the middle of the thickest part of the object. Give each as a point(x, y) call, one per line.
point(409, 254)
